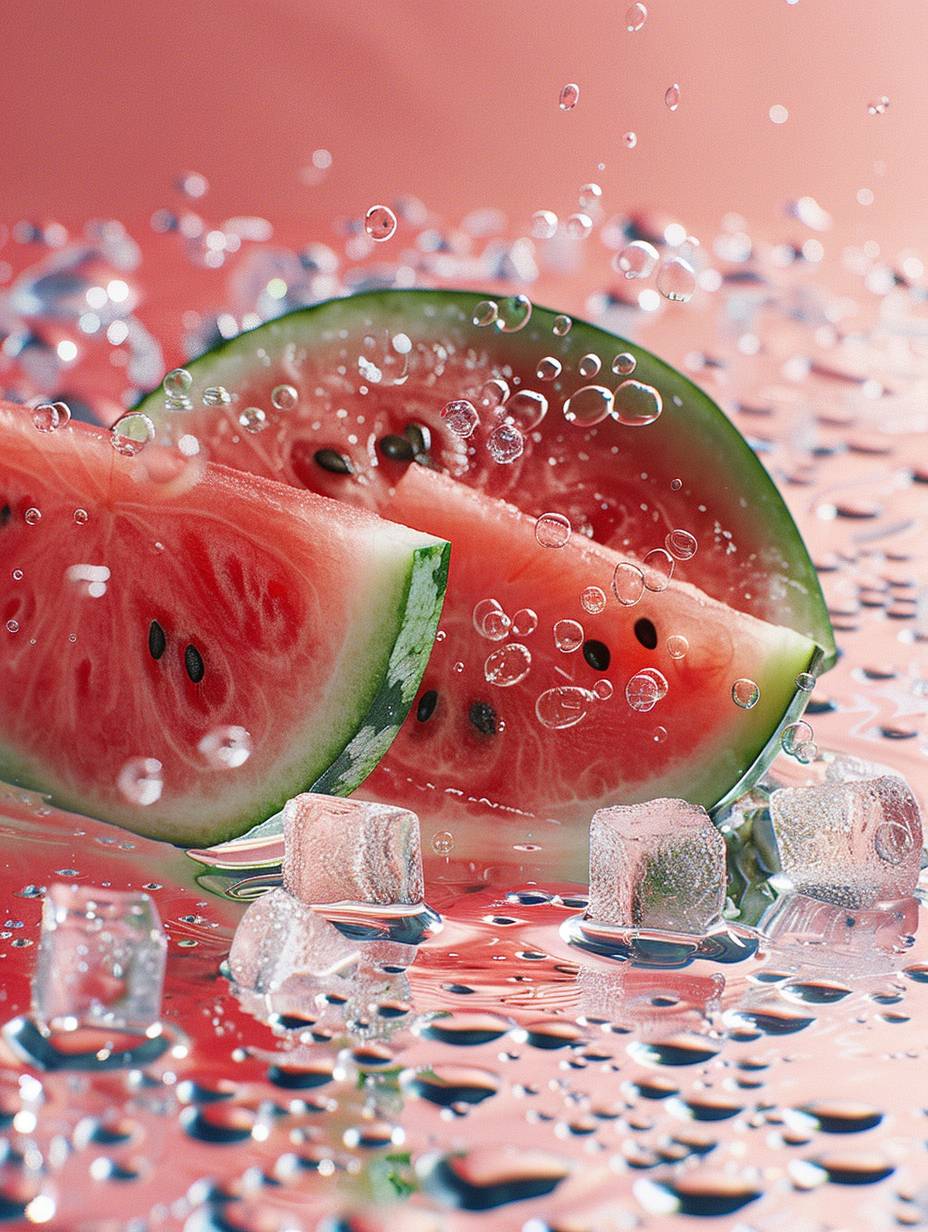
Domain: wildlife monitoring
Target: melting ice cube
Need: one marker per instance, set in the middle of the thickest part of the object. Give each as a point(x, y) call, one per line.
point(101, 959)
point(280, 939)
point(853, 843)
point(659, 865)
point(338, 850)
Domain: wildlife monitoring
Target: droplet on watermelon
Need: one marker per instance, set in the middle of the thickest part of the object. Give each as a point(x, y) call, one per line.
point(199, 645)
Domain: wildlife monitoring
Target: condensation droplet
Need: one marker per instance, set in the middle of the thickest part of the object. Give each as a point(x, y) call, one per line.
point(645, 689)
point(637, 404)
point(637, 259)
point(524, 622)
point(284, 397)
point(627, 583)
point(603, 689)
point(226, 748)
point(593, 600)
point(461, 417)
point(805, 681)
point(177, 383)
point(490, 620)
point(672, 97)
point(505, 443)
point(676, 485)
point(589, 365)
point(794, 735)
point(131, 433)
point(681, 544)
point(552, 530)
point(486, 312)
point(579, 225)
point(562, 707)
point(561, 325)
point(140, 780)
point(677, 646)
point(12, 626)
point(380, 223)
point(893, 842)
point(508, 665)
point(32, 516)
point(878, 106)
point(513, 313)
point(50, 416)
point(635, 17)
point(526, 408)
point(624, 364)
point(676, 280)
point(778, 113)
point(657, 567)
point(548, 368)
point(544, 224)
point(745, 693)
point(216, 395)
point(493, 393)
point(569, 96)
point(568, 635)
point(253, 419)
point(589, 406)
point(81, 517)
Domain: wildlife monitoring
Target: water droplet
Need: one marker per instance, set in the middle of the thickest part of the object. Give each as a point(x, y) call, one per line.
point(657, 567)
point(226, 748)
point(505, 443)
point(526, 409)
point(563, 706)
point(177, 383)
point(12, 626)
point(485, 312)
point(548, 368)
point(284, 397)
point(131, 433)
point(676, 485)
point(805, 681)
point(635, 17)
point(778, 113)
point(879, 106)
point(216, 395)
point(637, 259)
point(806, 752)
point(602, 689)
point(745, 693)
point(794, 735)
point(380, 223)
point(17, 575)
point(568, 635)
point(50, 416)
point(589, 197)
point(589, 365)
point(676, 280)
point(593, 600)
point(672, 97)
point(552, 530)
point(493, 393)
point(627, 583)
point(443, 843)
point(561, 325)
point(544, 224)
point(579, 226)
point(630, 139)
point(513, 313)
point(460, 416)
point(677, 646)
point(681, 544)
point(490, 620)
point(645, 689)
point(589, 406)
point(140, 780)
point(624, 364)
point(569, 96)
point(507, 665)
point(524, 622)
point(253, 419)
point(32, 516)
point(637, 404)
point(81, 517)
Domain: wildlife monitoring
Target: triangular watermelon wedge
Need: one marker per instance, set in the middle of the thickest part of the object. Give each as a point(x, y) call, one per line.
point(183, 647)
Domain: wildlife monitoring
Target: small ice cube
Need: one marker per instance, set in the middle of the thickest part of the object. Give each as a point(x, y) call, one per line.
point(280, 939)
point(853, 843)
point(659, 865)
point(101, 959)
point(338, 851)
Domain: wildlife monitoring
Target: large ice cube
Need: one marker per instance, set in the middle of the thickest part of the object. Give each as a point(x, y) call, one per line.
point(339, 850)
point(853, 843)
point(659, 865)
point(101, 959)
point(280, 939)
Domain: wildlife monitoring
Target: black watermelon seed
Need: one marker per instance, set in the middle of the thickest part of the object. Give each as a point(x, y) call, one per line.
point(419, 437)
point(193, 662)
point(426, 707)
point(334, 462)
point(397, 448)
point(597, 654)
point(483, 717)
point(5, 514)
point(646, 633)
point(157, 642)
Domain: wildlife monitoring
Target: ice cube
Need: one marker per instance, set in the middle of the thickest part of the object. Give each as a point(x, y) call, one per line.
point(280, 939)
point(854, 843)
point(338, 850)
point(659, 865)
point(101, 959)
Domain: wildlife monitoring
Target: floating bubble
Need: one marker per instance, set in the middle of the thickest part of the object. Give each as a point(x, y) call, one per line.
point(216, 395)
point(745, 693)
point(513, 313)
point(635, 17)
point(548, 368)
point(485, 312)
point(627, 583)
point(676, 280)
point(637, 259)
point(681, 544)
point(380, 223)
point(493, 393)
point(589, 365)
point(526, 408)
point(624, 364)
point(460, 416)
point(569, 96)
point(568, 635)
point(602, 689)
point(140, 781)
point(589, 406)
point(505, 443)
point(561, 325)
point(552, 530)
point(131, 433)
point(284, 397)
point(177, 383)
point(50, 416)
point(524, 622)
point(562, 707)
point(672, 97)
point(508, 665)
point(645, 689)
point(544, 224)
point(637, 404)
point(593, 600)
point(677, 646)
point(226, 748)
point(253, 419)
point(490, 620)
point(657, 567)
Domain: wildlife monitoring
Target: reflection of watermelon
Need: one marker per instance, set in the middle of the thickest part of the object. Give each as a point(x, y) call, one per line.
point(182, 648)
point(365, 380)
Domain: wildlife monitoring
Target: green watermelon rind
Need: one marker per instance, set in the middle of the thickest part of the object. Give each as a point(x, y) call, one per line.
point(719, 438)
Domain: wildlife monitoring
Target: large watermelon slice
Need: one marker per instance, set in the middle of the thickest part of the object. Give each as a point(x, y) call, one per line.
point(182, 647)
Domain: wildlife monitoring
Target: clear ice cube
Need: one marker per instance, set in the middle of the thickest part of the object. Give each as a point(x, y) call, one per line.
point(659, 865)
point(338, 850)
point(281, 939)
point(101, 959)
point(852, 843)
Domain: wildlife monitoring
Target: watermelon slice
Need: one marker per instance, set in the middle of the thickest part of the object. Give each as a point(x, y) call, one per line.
point(182, 648)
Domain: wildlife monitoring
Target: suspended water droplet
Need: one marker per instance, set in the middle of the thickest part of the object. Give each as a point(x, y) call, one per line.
point(552, 530)
point(589, 406)
point(548, 368)
point(177, 383)
point(589, 365)
point(140, 781)
point(526, 409)
point(380, 223)
point(513, 313)
point(544, 224)
point(676, 280)
point(637, 404)
point(284, 397)
point(635, 17)
point(745, 693)
point(627, 583)
point(508, 665)
point(493, 393)
point(562, 707)
point(50, 416)
point(579, 225)
point(524, 622)
point(561, 325)
point(569, 96)
point(589, 197)
point(593, 600)
point(630, 139)
point(460, 416)
point(226, 748)
point(672, 97)
point(681, 544)
point(505, 443)
point(677, 646)
point(486, 312)
point(490, 620)
point(568, 635)
point(637, 259)
point(657, 567)
point(253, 419)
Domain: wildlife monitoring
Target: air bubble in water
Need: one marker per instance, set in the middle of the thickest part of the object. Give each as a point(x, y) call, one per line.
point(544, 224)
point(548, 368)
point(226, 748)
point(561, 325)
point(513, 313)
point(490, 620)
point(380, 223)
point(602, 689)
point(589, 365)
point(216, 395)
point(637, 259)
point(681, 544)
point(508, 665)
point(676, 280)
point(568, 635)
point(589, 406)
point(677, 646)
point(627, 583)
point(284, 397)
point(637, 404)
point(460, 416)
point(140, 780)
point(645, 689)
point(526, 409)
point(672, 97)
point(493, 393)
point(505, 443)
point(657, 567)
point(552, 530)
point(524, 622)
point(624, 364)
point(593, 600)
point(635, 17)
point(50, 416)
point(745, 693)
point(486, 312)
point(253, 419)
point(569, 96)
point(32, 516)
point(177, 383)
point(564, 706)
point(131, 433)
